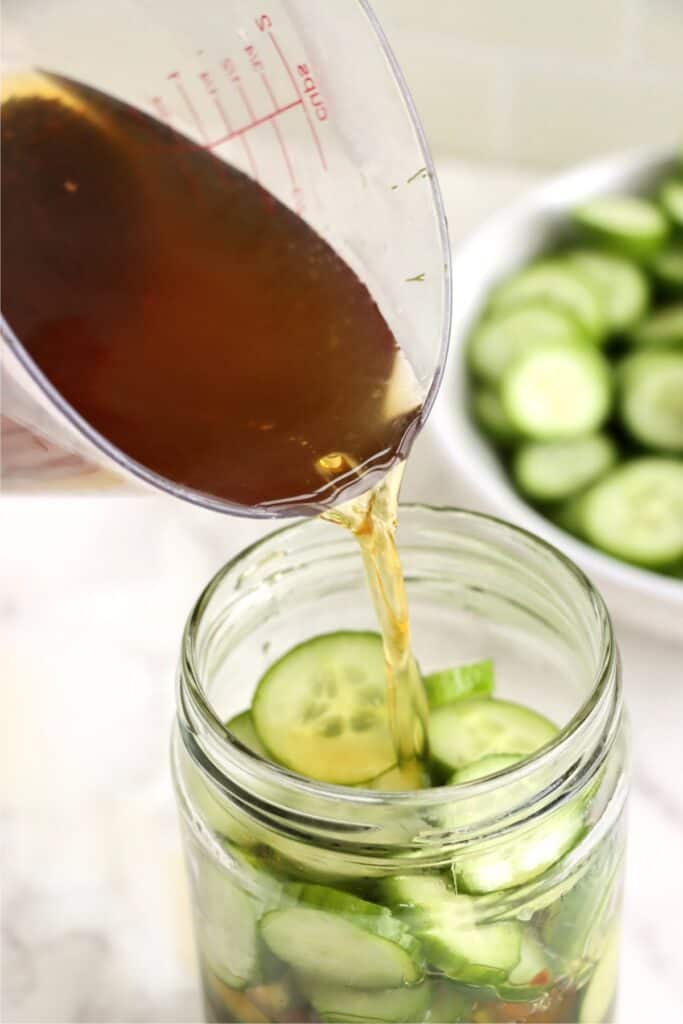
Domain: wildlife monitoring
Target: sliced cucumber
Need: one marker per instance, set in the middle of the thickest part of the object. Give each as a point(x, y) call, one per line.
point(662, 329)
point(510, 863)
point(473, 680)
point(549, 471)
point(667, 267)
point(205, 803)
point(627, 224)
point(636, 512)
point(342, 939)
point(452, 1003)
point(320, 710)
point(574, 927)
point(599, 996)
point(531, 976)
point(671, 198)
point(509, 332)
point(557, 392)
point(569, 515)
point(651, 401)
point(623, 284)
point(242, 727)
point(558, 283)
point(489, 765)
point(339, 1003)
point(488, 412)
point(227, 926)
point(467, 730)
point(446, 924)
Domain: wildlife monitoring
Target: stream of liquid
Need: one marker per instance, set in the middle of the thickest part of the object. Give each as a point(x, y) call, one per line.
point(372, 518)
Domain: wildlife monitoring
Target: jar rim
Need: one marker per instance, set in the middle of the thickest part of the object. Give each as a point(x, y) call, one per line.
point(222, 747)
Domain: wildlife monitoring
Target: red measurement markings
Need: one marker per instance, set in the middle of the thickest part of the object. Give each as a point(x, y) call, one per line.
point(296, 191)
point(175, 77)
point(271, 35)
point(237, 132)
point(233, 76)
point(211, 89)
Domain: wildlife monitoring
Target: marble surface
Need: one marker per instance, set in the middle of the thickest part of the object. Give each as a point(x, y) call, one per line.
point(96, 589)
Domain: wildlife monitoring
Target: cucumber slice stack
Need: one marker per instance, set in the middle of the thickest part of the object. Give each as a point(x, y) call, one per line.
point(566, 416)
point(416, 947)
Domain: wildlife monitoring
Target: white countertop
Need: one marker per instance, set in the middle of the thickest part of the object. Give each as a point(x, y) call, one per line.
point(97, 587)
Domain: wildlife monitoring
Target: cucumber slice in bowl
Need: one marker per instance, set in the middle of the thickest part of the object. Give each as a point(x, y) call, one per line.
point(671, 198)
point(344, 940)
point(636, 512)
point(558, 392)
point(507, 333)
point(466, 731)
point(339, 1003)
point(651, 401)
point(624, 286)
point(558, 284)
point(320, 710)
point(667, 267)
point(550, 471)
point(447, 925)
point(488, 413)
point(629, 225)
point(662, 329)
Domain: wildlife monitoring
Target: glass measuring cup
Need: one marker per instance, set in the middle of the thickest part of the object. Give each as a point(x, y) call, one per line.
point(306, 100)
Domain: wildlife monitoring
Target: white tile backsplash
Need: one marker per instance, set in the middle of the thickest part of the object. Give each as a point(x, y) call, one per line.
point(543, 82)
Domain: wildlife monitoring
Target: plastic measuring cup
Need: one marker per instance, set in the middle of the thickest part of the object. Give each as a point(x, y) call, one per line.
point(307, 99)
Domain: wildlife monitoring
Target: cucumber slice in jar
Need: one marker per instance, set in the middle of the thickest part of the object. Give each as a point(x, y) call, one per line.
point(558, 392)
point(489, 415)
point(511, 863)
point(320, 710)
point(623, 284)
point(671, 198)
point(550, 471)
point(557, 284)
point(227, 926)
point(489, 765)
point(636, 512)
point(507, 333)
point(601, 989)
point(242, 727)
point(465, 731)
point(629, 225)
point(651, 400)
point(662, 329)
point(339, 1003)
point(473, 680)
point(667, 267)
point(344, 940)
point(447, 925)
point(529, 978)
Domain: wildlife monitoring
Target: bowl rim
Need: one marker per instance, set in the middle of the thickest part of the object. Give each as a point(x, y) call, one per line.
point(450, 417)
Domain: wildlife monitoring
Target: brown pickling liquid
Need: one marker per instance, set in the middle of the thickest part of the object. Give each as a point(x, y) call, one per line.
point(194, 321)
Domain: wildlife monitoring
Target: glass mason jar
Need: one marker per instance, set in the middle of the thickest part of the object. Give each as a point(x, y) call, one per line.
point(271, 852)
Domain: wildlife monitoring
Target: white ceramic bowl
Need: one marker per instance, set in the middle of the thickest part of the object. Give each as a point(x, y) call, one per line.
point(502, 244)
